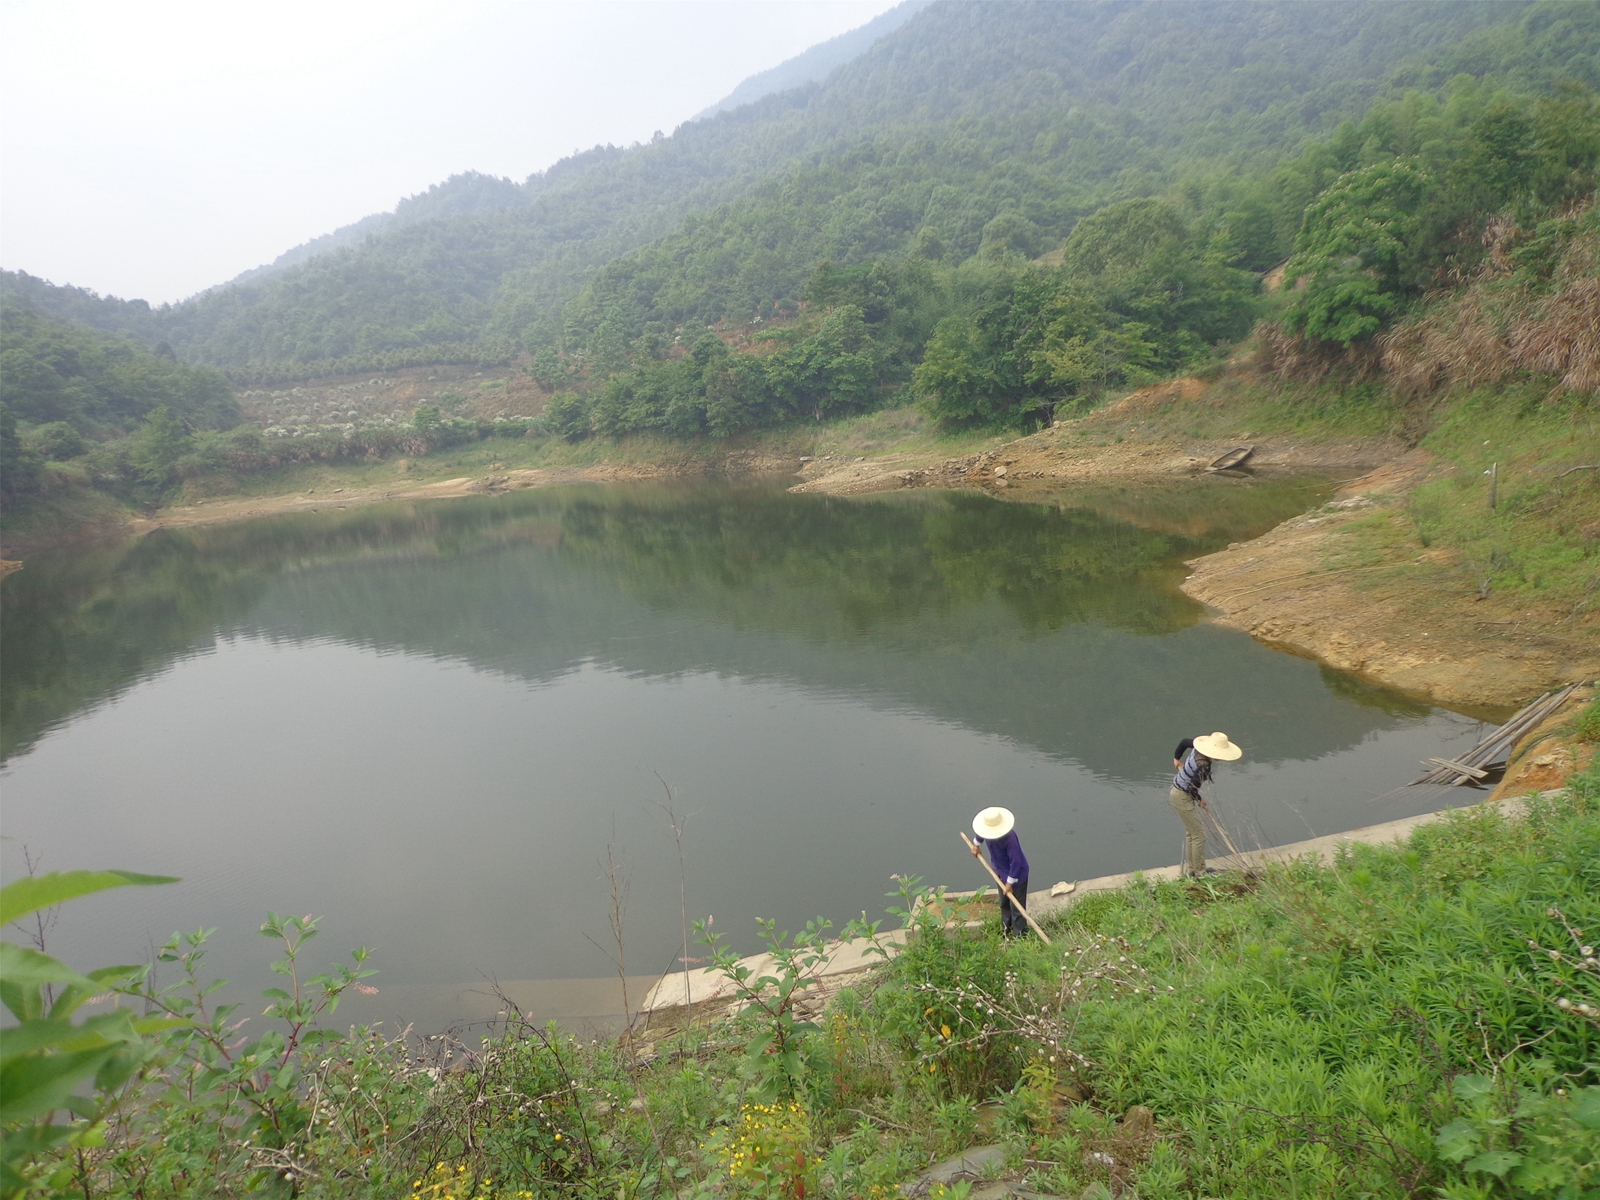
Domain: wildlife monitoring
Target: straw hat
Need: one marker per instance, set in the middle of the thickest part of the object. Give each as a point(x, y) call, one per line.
point(993, 823)
point(1217, 745)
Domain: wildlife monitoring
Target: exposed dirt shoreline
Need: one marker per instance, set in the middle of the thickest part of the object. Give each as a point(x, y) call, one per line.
point(1412, 621)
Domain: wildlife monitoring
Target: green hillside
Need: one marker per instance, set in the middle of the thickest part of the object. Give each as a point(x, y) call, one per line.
point(1032, 115)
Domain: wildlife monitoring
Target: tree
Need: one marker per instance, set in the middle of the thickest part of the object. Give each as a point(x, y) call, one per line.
point(157, 447)
point(546, 368)
point(1355, 253)
point(425, 418)
point(58, 440)
point(1141, 261)
point(567, 416)
point(19, 464)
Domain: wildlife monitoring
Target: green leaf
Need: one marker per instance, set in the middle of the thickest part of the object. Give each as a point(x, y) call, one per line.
point(33, 1085)
point(317, 1037)
point(43, 891)
point(74, 997)
point(1457, 1141)
point(59, 1036)
point(1494, 1162)
point(24, 972)
point(1586, 1108)
point(1471, 1087)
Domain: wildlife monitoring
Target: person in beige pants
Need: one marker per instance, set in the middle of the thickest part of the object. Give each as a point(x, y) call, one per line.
point(1193, 759)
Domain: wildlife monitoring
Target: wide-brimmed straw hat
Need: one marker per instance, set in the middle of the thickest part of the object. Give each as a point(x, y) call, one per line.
point(1217, 745)
point(993, 823)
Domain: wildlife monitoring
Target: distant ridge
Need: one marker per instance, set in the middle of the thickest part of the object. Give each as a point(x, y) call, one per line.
point(472, 193)
point(467, 194)
point(817, 63)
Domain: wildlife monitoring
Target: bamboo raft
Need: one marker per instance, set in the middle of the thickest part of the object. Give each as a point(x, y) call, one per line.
point(1495, 749)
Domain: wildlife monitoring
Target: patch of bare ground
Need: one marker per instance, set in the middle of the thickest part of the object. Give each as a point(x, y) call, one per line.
point(210, 512)
point(1403, 615)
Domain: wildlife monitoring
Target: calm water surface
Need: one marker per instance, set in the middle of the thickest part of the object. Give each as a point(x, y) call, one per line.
point(427, 721)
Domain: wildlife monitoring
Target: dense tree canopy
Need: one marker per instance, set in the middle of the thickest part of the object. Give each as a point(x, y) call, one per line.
point(60, 373)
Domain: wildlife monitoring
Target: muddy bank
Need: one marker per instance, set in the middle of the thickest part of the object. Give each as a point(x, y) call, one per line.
point(1412, 621)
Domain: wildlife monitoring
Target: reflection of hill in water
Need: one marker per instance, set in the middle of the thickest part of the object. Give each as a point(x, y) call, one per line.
point(1029, 621)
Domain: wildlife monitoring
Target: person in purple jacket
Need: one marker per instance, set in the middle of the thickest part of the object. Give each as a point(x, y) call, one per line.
point(995, 829)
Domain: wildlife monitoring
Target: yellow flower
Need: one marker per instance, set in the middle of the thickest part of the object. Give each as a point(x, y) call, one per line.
point(945, 1029)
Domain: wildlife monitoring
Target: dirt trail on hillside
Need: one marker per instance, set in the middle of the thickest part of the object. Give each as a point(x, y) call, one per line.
point(1054, 457)
point(1108, 445)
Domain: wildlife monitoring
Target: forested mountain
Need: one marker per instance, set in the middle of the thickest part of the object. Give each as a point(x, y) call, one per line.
point(972, 132)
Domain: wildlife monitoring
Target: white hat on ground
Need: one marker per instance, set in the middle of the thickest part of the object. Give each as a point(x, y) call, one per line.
point(993, 823)
point(1217, 745)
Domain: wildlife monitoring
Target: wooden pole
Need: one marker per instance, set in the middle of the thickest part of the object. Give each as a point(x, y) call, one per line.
point(1023, 908)
point(1494, 485)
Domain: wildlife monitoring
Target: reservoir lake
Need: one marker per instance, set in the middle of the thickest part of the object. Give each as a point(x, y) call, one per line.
point(425, 722)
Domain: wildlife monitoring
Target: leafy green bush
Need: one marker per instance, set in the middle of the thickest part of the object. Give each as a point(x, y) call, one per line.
point(47, 1059)
point(58, 440)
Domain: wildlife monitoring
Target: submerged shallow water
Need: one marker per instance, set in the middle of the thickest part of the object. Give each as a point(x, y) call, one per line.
point(427, 721)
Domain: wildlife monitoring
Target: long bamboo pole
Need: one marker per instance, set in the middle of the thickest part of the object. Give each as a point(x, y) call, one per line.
point(1004, 887)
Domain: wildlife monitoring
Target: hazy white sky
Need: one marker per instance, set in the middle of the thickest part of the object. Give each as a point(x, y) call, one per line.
point(154, 149)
